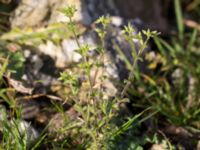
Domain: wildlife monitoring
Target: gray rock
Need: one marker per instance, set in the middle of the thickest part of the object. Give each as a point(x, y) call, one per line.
point(97, 8)
point(29, 13)
point(70, 46)
point(33, 13)
point(152, 12)
point(55, 52)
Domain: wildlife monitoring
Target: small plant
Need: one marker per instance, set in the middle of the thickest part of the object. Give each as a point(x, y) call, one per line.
point(96, 125)
point(128, 30)
point(96, 113)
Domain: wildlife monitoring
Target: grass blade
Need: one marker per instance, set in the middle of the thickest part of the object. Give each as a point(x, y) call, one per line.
point(192, 39)
point(179, 18)
point(129, 123)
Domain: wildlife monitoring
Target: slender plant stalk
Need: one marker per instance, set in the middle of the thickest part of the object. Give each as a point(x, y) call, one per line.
point(131, 75)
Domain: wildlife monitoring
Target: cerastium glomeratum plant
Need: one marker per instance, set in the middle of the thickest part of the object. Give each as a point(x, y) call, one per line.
point(96, 123)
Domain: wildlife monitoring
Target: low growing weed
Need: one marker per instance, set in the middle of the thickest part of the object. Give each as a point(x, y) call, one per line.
point(96, 127)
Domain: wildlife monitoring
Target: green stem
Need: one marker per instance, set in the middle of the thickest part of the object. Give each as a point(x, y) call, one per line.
point(131, 75)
